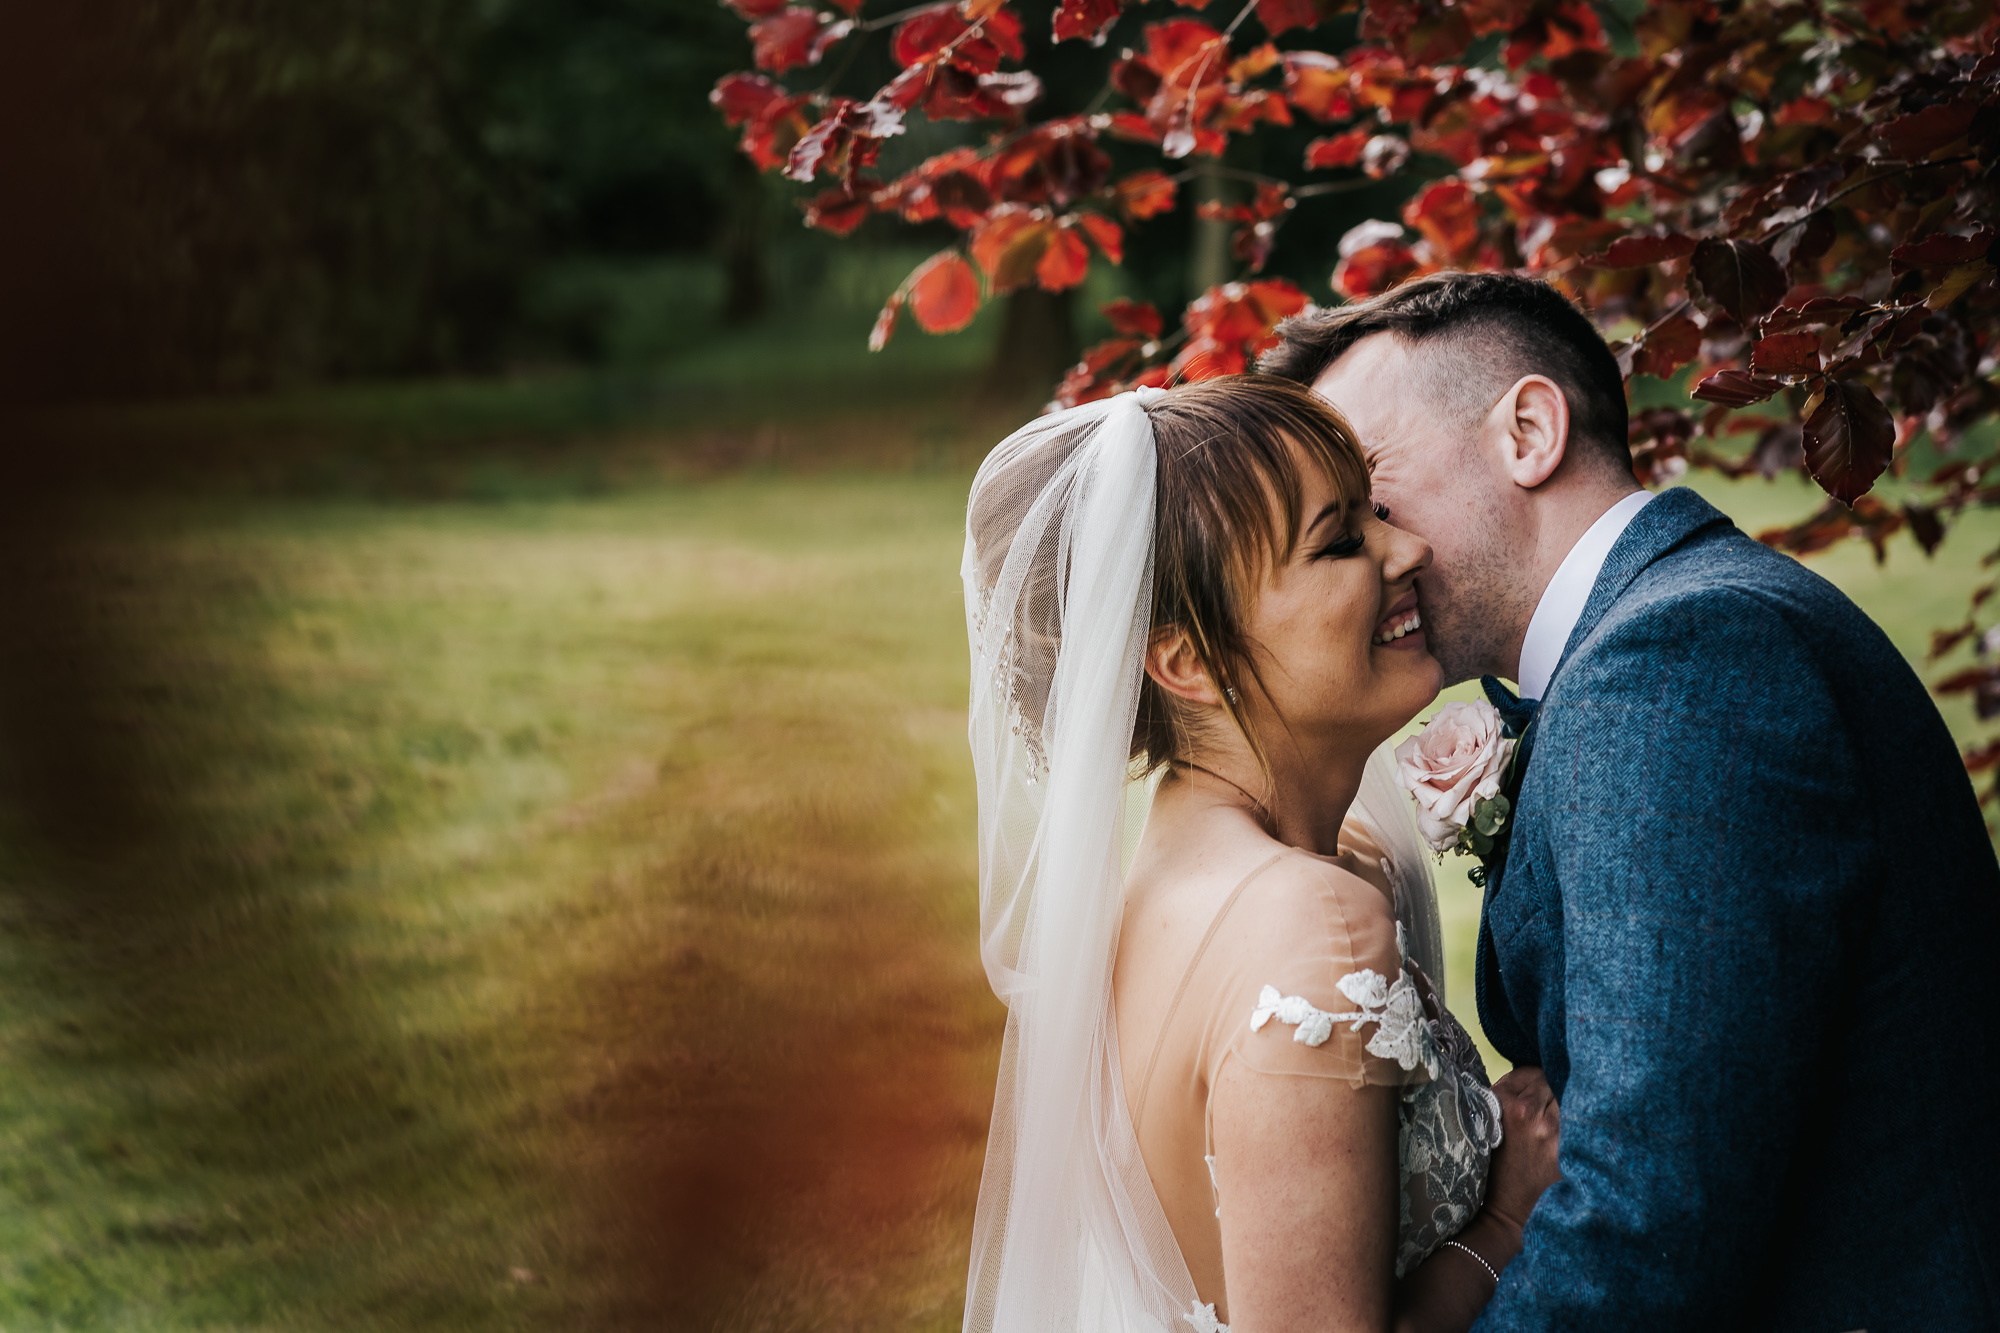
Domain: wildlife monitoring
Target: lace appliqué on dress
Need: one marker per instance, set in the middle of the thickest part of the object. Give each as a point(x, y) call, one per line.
point(1448, 1129)
point(1204, 1320)
point(1401, 1034)
point(1448, 1126)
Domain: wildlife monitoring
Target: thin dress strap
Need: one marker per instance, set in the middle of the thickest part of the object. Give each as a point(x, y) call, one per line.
point(1167, 1023)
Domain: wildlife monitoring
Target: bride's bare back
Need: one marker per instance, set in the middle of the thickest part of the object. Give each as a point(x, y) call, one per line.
point(1216, 912)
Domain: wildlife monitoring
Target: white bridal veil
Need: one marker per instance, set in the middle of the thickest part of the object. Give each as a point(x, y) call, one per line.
point(1058, 578)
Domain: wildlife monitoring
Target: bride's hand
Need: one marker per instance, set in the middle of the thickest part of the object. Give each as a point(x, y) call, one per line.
point(1525, 1163)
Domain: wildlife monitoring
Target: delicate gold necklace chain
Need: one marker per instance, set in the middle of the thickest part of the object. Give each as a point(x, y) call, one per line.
point(1255, 803)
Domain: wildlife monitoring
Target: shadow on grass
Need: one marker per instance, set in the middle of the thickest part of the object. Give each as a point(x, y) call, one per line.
point(799, 1145)
point(198, 1070)
point(472, 916)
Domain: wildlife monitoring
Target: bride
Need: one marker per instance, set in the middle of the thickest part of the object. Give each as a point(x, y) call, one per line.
point(1230, 1096)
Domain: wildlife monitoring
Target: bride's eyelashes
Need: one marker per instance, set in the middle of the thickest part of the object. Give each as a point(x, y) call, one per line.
point(1344, 545)
point(1351, 543)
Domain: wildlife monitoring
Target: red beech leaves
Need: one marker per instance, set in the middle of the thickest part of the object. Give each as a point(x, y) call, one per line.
point(1085, 18)
point(793, 37)
point(1137, 319)
point(770, 135)
point(1645, 251)
point(939, 31)
point(1943, 250)
point(1317, 84)
point(1924, 132)
point(1064, 261)
point(1667, 346)
point(1739, 276)
point(1447, 215)
point(741, 96)
point(1281, 15)
point(1018, 245)
point(1108, 236)
point(1341, 150)
point(1786, 354)
point(1848, 440)
point(944, 293)
point(847, 139)
point(1009, 244)
point(838, 211)
point(1374, 269)
point(1736, 388)
point(1146, 194)
point(1228, 326)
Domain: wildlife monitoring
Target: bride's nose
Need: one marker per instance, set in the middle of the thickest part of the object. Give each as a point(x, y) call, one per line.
point(1409, 555)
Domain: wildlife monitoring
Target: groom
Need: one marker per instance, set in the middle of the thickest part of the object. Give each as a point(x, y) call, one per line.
point(1747, 918)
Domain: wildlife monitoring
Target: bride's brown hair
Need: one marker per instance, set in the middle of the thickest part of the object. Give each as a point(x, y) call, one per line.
point(1227, 498)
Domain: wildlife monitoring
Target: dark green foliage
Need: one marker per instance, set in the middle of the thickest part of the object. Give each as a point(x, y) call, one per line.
point(279, 192)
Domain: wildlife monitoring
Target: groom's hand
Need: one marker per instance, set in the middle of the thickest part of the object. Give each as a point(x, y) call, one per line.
point(1531, 1132)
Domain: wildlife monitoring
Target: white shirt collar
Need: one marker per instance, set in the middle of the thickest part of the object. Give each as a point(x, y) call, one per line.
point(1563, 600)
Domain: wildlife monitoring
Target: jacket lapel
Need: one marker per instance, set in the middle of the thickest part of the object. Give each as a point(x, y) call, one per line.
point(1669, 520)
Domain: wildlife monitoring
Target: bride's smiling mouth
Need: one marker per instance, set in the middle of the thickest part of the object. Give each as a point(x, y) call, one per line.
point(1403, 627)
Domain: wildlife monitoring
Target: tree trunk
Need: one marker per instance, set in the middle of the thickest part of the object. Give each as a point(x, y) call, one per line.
point(747, 290)
point(1037, 346)
point(1209, 260)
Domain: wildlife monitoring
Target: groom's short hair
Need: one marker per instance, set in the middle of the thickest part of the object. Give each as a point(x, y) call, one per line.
point(1495, 327)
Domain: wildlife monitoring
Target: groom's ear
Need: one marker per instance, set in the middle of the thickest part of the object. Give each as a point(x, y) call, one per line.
point(1533, 419)
point(1176, 667)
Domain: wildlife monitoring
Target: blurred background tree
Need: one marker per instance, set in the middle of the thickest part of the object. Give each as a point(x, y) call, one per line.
point(286, 193)
point(280, 194)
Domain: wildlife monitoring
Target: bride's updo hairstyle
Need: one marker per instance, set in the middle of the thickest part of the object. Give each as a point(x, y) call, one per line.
point(1229, 491)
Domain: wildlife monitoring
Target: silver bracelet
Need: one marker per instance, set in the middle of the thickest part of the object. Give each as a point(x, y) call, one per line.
point(1477, 1260)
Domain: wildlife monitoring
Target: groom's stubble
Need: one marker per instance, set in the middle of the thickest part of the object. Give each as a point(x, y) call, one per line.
point(1476, 610)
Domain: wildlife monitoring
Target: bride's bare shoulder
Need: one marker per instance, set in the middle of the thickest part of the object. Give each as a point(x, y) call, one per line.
point(1301, 891)
point(1263, 885)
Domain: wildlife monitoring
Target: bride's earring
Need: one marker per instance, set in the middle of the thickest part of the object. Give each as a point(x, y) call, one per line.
point(1229, 693)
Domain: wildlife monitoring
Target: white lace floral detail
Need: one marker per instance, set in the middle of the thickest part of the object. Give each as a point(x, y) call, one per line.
point(1401, 1034)
point(1314, 1025)
point(1449, 1129)
point(1204, 1320)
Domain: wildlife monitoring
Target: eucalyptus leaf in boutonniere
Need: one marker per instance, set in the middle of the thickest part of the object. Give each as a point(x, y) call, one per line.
point(1455, 770)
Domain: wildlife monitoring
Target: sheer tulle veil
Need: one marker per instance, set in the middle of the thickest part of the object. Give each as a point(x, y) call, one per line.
point(1058, 574)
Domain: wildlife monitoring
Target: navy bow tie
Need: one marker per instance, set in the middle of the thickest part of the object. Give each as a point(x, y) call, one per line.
point(1515, 711)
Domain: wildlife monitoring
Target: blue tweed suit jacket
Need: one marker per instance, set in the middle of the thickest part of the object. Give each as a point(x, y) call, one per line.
point(1749, 925)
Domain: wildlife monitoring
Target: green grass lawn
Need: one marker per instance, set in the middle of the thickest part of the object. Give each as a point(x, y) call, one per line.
point(552, 908)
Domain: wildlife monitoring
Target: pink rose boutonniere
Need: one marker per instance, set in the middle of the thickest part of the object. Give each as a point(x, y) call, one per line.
point(1454, 769)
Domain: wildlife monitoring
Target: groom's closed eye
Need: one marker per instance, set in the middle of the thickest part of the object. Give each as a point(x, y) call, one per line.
point(1381, 511)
